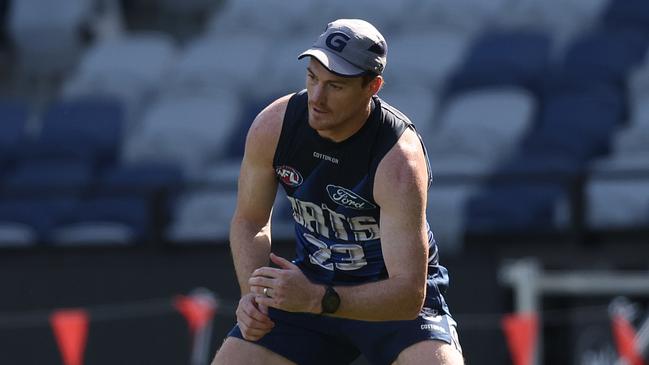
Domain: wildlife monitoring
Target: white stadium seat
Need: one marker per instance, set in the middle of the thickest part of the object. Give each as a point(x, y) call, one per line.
point(93, 234)
point(216, 63)
point(14, 234)
point(418, 104)
point(424, 58)
point(481, 126)
point(132, 68)
point(463, 16)
point(386, 15)
point(445, 213)
point(48, 34)
point(189, 132)
point(203, 216)
point(269, 17)
point(617, 203)
point(632, 140)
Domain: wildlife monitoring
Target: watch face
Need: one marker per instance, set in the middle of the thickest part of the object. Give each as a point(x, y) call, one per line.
point(330, 301)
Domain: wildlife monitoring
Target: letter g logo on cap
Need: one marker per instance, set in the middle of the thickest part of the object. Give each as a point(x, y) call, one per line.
point(337, 41)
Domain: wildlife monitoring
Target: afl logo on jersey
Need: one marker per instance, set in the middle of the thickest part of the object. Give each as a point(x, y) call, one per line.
point(348, 198)
point(289, 176)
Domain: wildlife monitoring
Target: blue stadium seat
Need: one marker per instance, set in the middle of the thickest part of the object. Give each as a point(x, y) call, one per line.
point(576, 125)
point(527, 190)
point(142, 178)
point(520, 58)
point(103, 220)
point(12, 129)
point(627, 14)
point(158, 184)
point(48, 178)
point(25, 222)
point(606, 55)
point(87, 129)
point(534, 167)
point(513, 208)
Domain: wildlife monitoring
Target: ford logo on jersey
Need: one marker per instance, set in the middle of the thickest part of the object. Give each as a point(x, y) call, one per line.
point(289, 176)
point(348, 198)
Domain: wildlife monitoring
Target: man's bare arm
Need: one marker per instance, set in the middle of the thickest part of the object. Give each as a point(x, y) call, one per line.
point(250, 239)
point(400, 190)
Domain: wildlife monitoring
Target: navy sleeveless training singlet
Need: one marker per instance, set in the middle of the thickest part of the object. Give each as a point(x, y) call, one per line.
point(330, 188)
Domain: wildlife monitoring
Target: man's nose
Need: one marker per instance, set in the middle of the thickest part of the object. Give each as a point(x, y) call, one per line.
point(317, 94)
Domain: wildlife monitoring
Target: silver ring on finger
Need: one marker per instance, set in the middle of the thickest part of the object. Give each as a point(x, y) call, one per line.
point(267, 292)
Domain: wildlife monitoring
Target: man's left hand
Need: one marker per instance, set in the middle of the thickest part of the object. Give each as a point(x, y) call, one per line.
point(286, 287)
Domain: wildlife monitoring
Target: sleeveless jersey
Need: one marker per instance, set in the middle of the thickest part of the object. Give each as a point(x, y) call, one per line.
point(330, 189)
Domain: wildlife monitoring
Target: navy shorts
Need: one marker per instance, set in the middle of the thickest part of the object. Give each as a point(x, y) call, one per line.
point(309, 339)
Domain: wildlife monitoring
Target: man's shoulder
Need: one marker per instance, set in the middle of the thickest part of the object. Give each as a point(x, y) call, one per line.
point(407, 147)
point(268, 122)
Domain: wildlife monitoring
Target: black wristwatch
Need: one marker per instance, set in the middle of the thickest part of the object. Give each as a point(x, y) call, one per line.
point(330, 300)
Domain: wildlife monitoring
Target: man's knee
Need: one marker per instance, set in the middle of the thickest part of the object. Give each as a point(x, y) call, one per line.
point(235, 351)
point(430, 352)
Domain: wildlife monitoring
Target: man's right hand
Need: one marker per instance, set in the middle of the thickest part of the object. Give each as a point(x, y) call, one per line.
point(253, 318)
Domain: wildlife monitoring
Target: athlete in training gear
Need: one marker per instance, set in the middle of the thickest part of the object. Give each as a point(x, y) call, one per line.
point(366, 277)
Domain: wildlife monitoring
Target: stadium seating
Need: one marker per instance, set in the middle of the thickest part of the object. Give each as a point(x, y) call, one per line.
point(447, 200)
point(282, 72)
point(13, 129)
point(562, 23)
point(517, 101)
point(616, 191)
point(188, 7)
point(272, 17)
point(573, 128)
point(514, 208)
point(187, 132)
point(618, 201)
point(472, 133)
point(606, 55)
point(218, 63)
point(104, 220)
point(132, 68)
point(638, 85)
point(504, 58)
point(202, 216)
point(141, 178)
point(627, 14)
point(48, 35)
point(88, 129)
point(419, 105)
point(477, 129)
point(29, 221)
point(389, 14)
point(467, 17)
point(577, 125)
point(438, 53)
point(48, 179)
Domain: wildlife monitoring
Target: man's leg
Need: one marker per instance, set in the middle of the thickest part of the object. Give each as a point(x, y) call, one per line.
point(236, 351)
point(430, 353)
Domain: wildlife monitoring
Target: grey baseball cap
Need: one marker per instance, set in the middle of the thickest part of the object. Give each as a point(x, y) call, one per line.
point(350, 47)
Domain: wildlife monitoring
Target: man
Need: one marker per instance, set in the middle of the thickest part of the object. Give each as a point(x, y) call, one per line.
point(366, 278)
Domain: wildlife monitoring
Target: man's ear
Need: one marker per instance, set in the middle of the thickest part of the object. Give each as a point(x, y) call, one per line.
point(376, 84)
